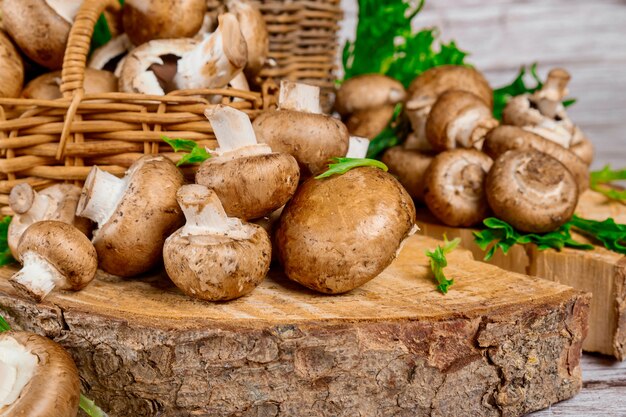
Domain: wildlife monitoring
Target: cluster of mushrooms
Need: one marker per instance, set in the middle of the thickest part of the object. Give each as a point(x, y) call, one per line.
point(157, 47)
point(256, 195)
point(464, 164)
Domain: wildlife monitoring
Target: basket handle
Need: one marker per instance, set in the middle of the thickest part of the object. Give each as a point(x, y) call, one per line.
point(75, 60)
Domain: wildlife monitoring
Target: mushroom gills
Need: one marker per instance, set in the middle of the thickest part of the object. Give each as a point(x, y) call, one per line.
point(38, 277)
point(101, 195)
point(17, 367)
point(470, 128)
point(299, 97)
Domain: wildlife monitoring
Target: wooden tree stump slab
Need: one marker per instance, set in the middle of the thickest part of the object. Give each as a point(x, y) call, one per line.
point(600, 271)
point(497, 344)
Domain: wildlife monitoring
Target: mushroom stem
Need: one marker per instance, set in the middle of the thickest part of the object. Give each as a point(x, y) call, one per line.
point(299, 97)
point(17, 367)
point(234, 132)
point(204, 213)
point(37, 277)
point(358, 147)
point(101, 195)
point(555, 87)
point(23, 199)
point(470, 128)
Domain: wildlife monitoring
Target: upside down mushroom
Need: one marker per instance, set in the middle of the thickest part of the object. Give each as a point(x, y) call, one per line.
point(135, 214)
point(38, 378)
point(54, 255)
point(215, 257)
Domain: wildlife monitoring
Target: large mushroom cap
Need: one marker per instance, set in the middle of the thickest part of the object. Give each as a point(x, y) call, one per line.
point(410, 167)
point(162, 19)
point(11, 69)
point(48, 86)
point(312, 139)
point(455, 187)
point(532, 191)
point(53, 388)
point(505, 138)
point(40, 32)
point(340, 232)
point(368, 91)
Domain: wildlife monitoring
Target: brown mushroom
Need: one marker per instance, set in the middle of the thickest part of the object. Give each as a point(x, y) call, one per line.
point(134, 214)
point(254, 32)
point(339, 232)
point(410, 167)
point(454, 188)
point(250, 180)
point(215, 257)
point(367, 102)
point(458, 119)
point(57, 202)
point(162, 19)
point(583, 149)
point(298, 128)
point(38, 377)
point(505, 138)
point(11, 69)
point(48, 86)
point(54, 255)
point(532, 191)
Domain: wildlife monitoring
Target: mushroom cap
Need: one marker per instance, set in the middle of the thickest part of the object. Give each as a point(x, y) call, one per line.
point(218, 268)
point(162, 19)
point(506, 138)
point(410, 167)
point(254, 31)
point(48, 86)
point(11, 69)
point(65, 247)
point(368, 91)
point(310, 138)
point(531, 190)
point(337, 233)
point(37, 29)
point(437, 80)
point(131, 241)
point(369, 123)
point(583, 149)
point(455, 187)
point(54, 389)
point(458, 118)
point(250, 187)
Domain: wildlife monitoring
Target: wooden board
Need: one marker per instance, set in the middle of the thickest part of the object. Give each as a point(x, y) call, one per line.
point(498, 343)
point(600, 272)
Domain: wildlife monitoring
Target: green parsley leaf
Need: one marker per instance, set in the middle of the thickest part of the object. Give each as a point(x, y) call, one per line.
point(5, 253)
point(601, 179)
point(90, 407)
point(340, 166)
point(4, 326)
point(438, 262)
point(611, 234)
point(196, 154)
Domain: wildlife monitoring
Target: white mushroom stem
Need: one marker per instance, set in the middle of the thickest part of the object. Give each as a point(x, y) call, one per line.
point(205, 215)
point(65, 9)
point(470, 128)
point(299, 97)
point(100, 196)
point(37, 277)
point(234, 132)
point(26, 201)
point(555, 87)
point(358, 147)
point(17, 367)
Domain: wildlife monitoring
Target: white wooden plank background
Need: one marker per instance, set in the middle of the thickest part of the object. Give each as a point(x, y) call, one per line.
point(587, 38)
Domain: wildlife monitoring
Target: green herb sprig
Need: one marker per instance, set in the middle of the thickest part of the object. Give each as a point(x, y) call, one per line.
point(101, 32)
point(600, 181)
point(612, 235)
point(340, 166)
point(5, 253)
point(438, 262)
point(195, 153)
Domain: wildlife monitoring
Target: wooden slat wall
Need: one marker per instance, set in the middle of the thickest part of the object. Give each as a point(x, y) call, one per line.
point(587, 38)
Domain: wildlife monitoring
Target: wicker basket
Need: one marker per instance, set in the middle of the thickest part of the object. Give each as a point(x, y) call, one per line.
point(47, 141)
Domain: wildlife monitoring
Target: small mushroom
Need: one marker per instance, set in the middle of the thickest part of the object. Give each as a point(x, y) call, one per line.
point(532, 191)
point(54, 255)
point(338, 233)
point(146, 20)
point(455, 187)
point(11, 69)
point(134, 214)
point(40, 28)
point(505, 138)
point(215, 257)
point(163, 65)
point(367, 102)
point(38, 377)
point(48, 86)
point(57, 202)
point(409, 166)
point(428, 86)
point(254, 32)
point(299, 128)
point(458, 119)
point(250, 180)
